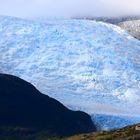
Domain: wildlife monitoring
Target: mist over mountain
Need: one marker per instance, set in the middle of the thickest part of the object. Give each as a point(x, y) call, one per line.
point(112, 20)
point(67, 9)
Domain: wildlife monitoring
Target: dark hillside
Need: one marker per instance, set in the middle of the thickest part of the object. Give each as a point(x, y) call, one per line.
point(22, 105)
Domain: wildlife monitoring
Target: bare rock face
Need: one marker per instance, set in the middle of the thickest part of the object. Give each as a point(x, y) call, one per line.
point(137, 127)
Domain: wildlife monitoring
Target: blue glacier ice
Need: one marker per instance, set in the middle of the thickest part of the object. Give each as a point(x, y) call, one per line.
point(109, 122)
point(87, 65)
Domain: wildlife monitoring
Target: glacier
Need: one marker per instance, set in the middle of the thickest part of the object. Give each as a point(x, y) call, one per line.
point(87, 65)
point(109, 122)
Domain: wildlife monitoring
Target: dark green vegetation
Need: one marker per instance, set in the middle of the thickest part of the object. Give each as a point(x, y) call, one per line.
point(25, 113)
point(127, 133)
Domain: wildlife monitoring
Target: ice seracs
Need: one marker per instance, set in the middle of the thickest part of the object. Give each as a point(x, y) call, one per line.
point(87, 65)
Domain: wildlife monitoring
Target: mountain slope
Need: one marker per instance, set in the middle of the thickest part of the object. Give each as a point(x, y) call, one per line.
point(112, 20)
point(127, 133)
point(133, 27)
point(87, 65)
point(22, 105)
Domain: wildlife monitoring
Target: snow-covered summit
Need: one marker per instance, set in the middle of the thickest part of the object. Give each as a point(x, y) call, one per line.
point(87, 65)
point(133, 27)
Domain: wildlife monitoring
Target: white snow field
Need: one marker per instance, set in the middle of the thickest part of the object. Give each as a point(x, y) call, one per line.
point(87, 65)
point(133, 27)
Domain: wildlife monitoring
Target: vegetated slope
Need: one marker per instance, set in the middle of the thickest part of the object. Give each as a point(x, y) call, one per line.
point(23, 106)
point(133, 27)
point(127, 133)
point(87, 65)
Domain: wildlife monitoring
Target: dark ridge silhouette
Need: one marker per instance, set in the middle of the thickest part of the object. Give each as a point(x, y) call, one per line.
point(22, 105)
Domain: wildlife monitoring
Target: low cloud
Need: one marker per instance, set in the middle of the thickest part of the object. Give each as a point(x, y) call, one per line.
point(71, 8)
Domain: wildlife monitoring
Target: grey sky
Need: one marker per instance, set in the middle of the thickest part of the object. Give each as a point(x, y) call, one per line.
point(67, 8)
